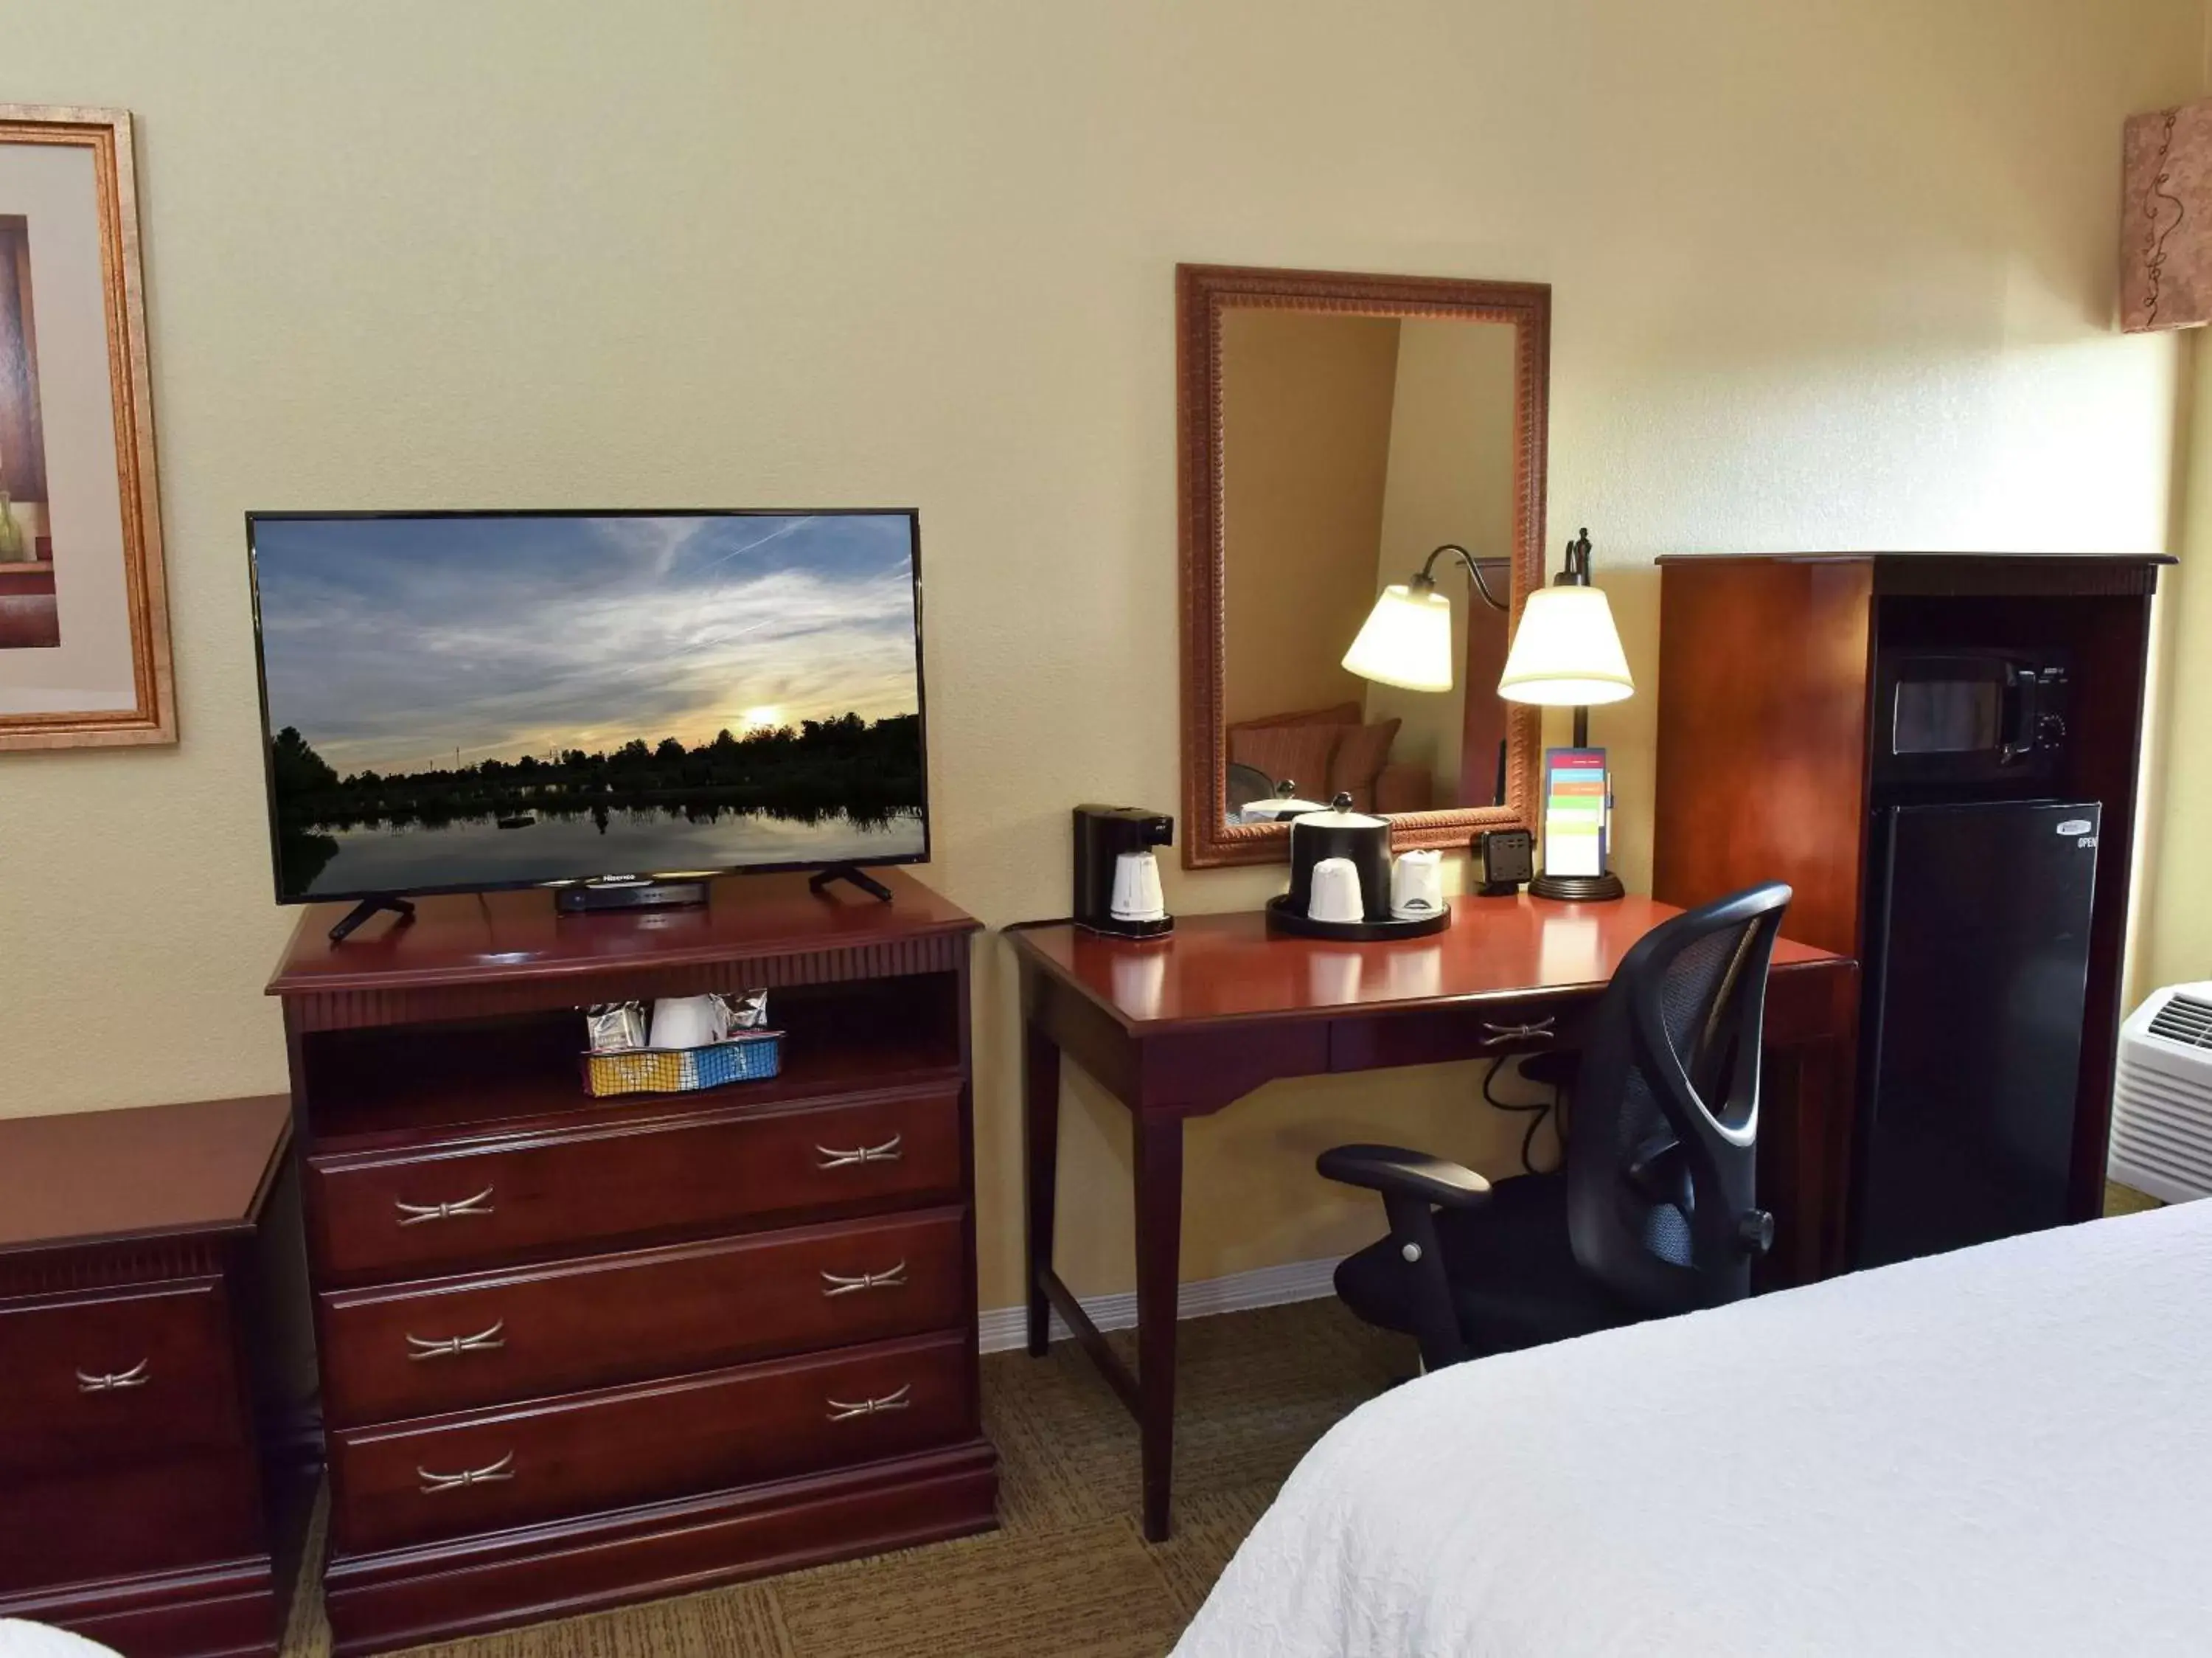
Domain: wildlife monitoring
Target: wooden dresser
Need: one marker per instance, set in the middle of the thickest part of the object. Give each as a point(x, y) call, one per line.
point(575, 1353)
point(132, 1501)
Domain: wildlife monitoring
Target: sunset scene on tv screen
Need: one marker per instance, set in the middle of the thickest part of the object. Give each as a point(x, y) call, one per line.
point(491, 700)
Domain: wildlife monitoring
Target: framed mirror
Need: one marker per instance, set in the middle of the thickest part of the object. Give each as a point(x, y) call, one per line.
point(1348, 442)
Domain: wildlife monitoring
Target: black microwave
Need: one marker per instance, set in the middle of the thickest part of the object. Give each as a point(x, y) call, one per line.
point(1969, 715)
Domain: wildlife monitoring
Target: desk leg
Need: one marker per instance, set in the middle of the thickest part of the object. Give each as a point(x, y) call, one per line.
point(1040, 1155)
point(1814, 1080)
point(1159, 1158)
point(1827, 1084)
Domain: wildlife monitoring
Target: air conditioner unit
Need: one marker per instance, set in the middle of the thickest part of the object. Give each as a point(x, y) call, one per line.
point(2162, 1099)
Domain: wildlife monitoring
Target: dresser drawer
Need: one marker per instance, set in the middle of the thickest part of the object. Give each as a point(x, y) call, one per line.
point(491, 1469)
point(454, 1342)
point(380, 1214)
point(99, 1379)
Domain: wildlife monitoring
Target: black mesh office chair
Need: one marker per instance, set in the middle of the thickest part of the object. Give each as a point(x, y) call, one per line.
point(1653, 1213)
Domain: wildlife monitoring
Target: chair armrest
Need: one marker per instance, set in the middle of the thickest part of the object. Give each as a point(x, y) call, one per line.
point(1392, 1170)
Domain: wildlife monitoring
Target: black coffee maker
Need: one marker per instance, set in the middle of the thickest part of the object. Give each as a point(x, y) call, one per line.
point(1117, 879)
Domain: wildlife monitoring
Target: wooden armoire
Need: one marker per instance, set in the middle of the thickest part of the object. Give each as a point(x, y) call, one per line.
point(1774, 735)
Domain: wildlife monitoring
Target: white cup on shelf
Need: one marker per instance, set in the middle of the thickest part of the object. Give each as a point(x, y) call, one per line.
point(686, 1021)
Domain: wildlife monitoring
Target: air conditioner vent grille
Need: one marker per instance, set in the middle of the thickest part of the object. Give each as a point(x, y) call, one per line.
point(2184, 1020)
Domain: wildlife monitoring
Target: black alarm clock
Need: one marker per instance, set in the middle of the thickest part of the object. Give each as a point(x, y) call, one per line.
point(1509, 859)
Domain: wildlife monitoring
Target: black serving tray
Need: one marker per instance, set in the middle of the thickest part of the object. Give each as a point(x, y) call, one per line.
point(1283, 918)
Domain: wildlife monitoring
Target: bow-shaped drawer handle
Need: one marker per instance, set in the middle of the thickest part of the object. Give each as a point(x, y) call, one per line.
point(837, 1283)
point(889, 1152)
point(502, 1469)
point(841, 1412)
point(1536, 1030)
point(415, 1214)
point(423, 1347)
point(136, 1376)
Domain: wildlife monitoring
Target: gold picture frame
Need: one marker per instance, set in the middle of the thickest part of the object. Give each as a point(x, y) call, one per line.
point(84, 620)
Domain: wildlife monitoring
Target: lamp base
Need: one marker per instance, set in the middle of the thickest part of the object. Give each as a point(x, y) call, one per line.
point(1578, 889)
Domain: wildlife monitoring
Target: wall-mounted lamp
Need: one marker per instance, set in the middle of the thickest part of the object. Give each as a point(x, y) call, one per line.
point(2166, 219)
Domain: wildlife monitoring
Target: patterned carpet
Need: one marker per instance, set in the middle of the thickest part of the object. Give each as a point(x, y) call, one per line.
point(1069, 1575)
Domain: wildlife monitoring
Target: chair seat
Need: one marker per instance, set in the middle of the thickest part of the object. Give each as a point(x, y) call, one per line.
point(1513, 1276)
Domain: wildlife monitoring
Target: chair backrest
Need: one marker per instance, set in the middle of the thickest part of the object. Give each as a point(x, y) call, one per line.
point(1665, 1122)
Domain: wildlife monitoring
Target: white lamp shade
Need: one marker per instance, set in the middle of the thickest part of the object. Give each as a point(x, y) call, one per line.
point(1566, 653)
point(1406, 641)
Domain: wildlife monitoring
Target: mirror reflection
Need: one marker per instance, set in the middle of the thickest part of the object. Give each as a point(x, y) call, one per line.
point(1351, 448)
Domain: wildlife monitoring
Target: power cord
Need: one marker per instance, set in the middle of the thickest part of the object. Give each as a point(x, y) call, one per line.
point(1536, 1111)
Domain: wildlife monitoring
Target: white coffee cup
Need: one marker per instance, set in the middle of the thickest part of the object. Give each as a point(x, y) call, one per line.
point(1335, 895)
point(1417, 886)
point(686, 1021)
point(1137, 895)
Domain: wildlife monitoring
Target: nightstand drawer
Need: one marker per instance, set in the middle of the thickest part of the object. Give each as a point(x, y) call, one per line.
point(378, 1215)
point(449, 1344)
point(100, 1379)
point(151, 1516)
point(491, 1469)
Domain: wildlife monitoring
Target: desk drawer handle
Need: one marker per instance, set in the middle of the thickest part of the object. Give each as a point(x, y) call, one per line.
point(887, 1152)
point(502, 1469)
point(838, 1284)
point(422, 1347)
point(841, 1412)
point(136, 1376)
point(1535, 1030)
point(415, 1214)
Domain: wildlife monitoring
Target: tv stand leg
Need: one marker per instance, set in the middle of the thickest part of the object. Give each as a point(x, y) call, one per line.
point(367, 907)
point(853, 874)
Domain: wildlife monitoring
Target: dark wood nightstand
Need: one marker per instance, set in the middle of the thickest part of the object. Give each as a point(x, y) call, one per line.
point(133, 1503)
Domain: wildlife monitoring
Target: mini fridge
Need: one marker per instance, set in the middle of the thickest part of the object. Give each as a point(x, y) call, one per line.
point(1977, 960)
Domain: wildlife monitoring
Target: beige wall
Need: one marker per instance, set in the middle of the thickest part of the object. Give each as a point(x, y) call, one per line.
point(1305, 437)
point(1452, 479)
point(1833, 273)
point(2173, 938)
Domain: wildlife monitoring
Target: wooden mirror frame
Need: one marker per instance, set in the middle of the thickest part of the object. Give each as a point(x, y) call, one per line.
point(1203, 293)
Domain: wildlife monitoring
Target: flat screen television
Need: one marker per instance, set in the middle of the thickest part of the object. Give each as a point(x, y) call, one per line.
point(459, 701)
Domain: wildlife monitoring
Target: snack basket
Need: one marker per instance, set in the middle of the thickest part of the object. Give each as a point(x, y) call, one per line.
point(744, 1057)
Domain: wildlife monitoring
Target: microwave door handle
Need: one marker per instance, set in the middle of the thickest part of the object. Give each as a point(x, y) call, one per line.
point(2024, 709)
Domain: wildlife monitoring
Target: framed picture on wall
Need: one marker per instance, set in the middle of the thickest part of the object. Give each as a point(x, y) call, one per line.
point(84, 623)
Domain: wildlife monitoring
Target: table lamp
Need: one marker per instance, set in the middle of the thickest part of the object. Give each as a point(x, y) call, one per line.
point(1566, 654)
point(1406, 640)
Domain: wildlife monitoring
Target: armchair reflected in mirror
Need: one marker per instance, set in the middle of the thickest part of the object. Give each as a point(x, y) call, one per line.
point(1362, 519)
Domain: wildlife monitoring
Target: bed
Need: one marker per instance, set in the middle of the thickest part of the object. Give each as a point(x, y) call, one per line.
point(2006, 1451)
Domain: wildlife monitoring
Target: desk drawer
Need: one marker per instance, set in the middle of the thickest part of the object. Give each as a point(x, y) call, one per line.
point(493, 1469)
point(1432, 1036)
point(382, 1214)
point(450, 1343)
point(97, 1380)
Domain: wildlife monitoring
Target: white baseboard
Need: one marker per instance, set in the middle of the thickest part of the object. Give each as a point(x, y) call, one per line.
point(1003, 1328)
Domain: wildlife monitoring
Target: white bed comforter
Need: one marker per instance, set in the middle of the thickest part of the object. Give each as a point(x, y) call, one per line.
point(2003, 1451)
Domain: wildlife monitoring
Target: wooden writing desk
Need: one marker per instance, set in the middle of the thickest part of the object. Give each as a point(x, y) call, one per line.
point(1183, 1026)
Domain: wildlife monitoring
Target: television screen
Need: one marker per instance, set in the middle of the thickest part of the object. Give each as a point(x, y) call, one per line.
point(456, 701)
